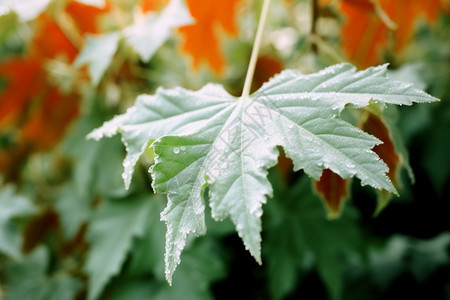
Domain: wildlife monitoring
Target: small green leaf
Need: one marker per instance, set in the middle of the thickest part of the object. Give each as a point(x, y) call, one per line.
point(137, 289)
point(73, 209)
point(428, 255)
point(27, 10)
point(27, 279)
point(297, 229)
point(98, 53)
point(201, 266)
point(405, 254)
point(110, 235)
point(147, 252)
point(12, 208)
point(149, 32)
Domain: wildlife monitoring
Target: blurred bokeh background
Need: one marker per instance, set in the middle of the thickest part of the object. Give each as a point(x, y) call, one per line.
point(69, 229)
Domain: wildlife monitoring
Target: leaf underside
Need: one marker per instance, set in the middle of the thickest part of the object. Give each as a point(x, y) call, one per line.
point(210, 138)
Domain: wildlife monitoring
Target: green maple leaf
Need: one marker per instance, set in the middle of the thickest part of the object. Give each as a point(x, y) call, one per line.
point(210, 138)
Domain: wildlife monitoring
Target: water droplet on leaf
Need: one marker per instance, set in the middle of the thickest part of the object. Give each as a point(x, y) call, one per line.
point(350, 165)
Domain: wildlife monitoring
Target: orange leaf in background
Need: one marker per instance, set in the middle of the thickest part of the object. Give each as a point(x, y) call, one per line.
point(202, 39)
point(25, 76)
point(374, 125)
point(49, 120)
point(152, 5)
point(405, 13)
point(30, 108)
point(50, 42)
point(386, 151)
point(365, 35)
point(86, 17)
point(24, 81)
point(334, 190)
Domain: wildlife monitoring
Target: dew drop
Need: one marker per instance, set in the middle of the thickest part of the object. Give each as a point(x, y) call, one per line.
point(176, 150)
point(336, 107)
point(290, 125)
point(350, 165)
point(183, 148)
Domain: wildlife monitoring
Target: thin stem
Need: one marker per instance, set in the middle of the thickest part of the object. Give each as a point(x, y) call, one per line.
point(68, 27)
point(314, 17)
point(255, 50)
point(383, 16)
point(326, 48)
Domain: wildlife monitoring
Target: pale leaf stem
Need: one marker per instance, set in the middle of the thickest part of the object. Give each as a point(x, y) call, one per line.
point(255, 50)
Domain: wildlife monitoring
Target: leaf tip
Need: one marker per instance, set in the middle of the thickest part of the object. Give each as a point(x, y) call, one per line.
point(384, 197)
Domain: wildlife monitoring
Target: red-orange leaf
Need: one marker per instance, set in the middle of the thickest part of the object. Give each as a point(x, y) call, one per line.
point(365, 34)
point(266, 67)
point(24, 80)
point(334, 190)
point(202, 39)
point(49, 119)
point(152, 5)
point(50, 41)
point(86, 17)
point(386, 151)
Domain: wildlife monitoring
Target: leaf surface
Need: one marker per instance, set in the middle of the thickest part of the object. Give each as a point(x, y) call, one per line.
point(210, 138)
